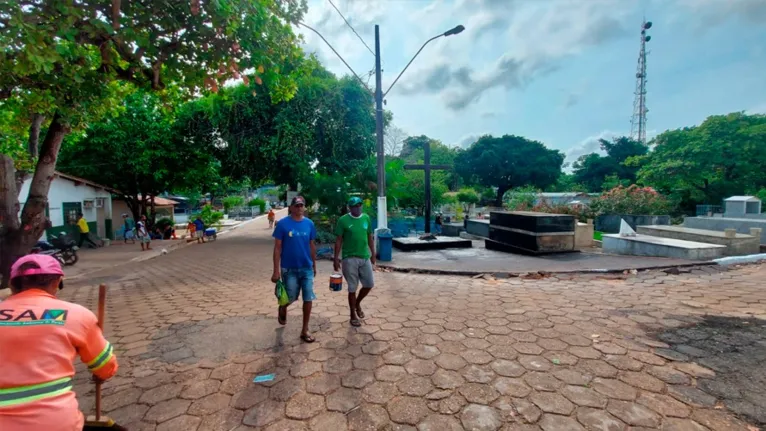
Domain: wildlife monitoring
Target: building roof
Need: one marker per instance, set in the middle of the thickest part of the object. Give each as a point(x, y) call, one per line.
point(158, 201)
point(83, 181)
point(742, 199)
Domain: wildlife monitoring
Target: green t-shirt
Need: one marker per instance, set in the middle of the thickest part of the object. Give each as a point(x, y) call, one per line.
point(355, 233)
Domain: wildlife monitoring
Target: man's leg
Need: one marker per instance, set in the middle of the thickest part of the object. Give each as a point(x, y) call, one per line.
point(350, 271)
point(367, 278)
point(81, 240)
point(308, 296)
point(292, 286)
point(90, 240)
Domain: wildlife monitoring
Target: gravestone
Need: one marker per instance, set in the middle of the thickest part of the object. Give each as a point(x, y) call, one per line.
point(531, 232)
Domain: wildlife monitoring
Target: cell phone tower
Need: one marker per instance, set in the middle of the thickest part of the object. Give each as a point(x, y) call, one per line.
point(638, 122)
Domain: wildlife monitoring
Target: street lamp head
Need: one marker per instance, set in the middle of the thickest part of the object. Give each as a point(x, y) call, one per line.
point(457, 30)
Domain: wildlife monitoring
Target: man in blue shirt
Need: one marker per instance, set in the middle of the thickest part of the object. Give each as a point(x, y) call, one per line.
point(199, 232)
point(295, 261)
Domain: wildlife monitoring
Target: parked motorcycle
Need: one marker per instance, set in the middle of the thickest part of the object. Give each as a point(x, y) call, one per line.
point(61, 247)
point(67, 247)
point(46, 248)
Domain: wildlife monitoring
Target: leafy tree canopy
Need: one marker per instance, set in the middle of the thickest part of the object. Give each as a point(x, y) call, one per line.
point(723, 156)
point(509, 161)
point(591, 170)
point(137, 153)
point(327, 127)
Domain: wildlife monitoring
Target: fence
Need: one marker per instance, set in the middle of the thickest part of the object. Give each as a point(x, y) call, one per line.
point(705, 210)
point(244, 212)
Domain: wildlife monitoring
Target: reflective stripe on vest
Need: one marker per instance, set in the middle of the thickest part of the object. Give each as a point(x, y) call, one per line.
point(102, 358)
point(26, 394)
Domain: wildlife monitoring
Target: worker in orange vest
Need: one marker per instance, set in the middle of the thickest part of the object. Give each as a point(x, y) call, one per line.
point(39, 339)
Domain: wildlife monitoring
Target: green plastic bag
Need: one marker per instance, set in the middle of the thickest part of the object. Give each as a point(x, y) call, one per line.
point(281, 293)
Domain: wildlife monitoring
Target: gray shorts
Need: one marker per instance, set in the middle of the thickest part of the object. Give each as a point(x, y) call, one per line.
point(357, 270)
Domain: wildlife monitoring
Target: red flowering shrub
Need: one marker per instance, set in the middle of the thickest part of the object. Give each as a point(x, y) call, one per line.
point(633, 200)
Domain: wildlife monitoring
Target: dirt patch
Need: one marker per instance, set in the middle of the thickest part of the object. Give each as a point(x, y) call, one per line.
point(735, 349)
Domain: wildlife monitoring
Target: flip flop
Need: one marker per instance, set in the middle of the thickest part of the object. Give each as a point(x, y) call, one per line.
point(307, 338)
point(356, 322)
point(282, 317)
point(359, 312)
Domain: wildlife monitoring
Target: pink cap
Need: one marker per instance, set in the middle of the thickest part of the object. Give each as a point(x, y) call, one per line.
point(36, 264)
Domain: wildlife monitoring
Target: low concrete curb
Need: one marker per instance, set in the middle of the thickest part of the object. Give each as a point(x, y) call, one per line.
point(544, 273)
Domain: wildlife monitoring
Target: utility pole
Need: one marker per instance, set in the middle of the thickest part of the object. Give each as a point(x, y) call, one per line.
point(382, 206)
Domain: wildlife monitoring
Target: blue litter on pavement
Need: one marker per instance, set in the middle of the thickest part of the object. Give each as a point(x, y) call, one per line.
point(264, 378)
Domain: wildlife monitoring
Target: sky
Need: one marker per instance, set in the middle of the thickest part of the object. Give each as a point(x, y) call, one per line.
point(558, 71)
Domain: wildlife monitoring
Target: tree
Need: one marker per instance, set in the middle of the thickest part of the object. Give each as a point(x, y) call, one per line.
point(410, 191)
point(328, 127)
point(567, 183)
point(65, 62)
point(507, 162)
point(394, 140)
point(723, 156)
point(414, 143)
point(592, 169)
point(467, 198)
point(137, 153)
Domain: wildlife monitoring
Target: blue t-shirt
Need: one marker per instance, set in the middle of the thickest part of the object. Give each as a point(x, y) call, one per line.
point(296, 237)
point(199, 225)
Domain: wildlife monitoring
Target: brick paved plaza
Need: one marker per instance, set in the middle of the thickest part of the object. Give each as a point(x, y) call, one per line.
point(192, 329)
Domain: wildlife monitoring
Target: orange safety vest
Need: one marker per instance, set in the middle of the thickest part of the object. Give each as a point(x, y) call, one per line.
point(39, 339)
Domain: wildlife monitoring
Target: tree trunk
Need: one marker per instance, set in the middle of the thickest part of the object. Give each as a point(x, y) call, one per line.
point(134, 206)
point(34, 135)
point(153, 212)
point(9, 217)
point(18, 237)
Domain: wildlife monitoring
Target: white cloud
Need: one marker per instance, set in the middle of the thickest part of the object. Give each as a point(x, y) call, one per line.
point(589, 145)
point(467, 140)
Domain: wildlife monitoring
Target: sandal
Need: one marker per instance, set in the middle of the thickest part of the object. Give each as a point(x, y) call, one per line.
point(359, 312)
point(307, 338)
point(282, 315)
point(356, 322)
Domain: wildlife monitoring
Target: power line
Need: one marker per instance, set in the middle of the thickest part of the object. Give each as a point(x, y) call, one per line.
point(352, 28)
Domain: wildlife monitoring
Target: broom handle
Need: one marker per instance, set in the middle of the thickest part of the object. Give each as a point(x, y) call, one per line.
point(101, 314)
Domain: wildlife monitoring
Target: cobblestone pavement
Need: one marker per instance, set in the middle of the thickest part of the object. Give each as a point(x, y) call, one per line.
point(682, 352)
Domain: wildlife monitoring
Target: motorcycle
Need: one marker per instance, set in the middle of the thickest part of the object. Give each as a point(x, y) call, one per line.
point(46, 248)
point(67, 247)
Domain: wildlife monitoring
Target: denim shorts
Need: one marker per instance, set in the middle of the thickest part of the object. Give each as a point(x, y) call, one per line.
point(299, 281)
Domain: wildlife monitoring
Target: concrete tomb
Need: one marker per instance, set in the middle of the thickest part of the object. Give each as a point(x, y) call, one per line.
point(584, 235)
point(531, 232)
point(742, 225)
point(645, 245)
point(432, 243)
point(737, 244)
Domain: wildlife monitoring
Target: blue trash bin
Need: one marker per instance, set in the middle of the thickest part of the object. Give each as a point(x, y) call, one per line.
point(385, 246)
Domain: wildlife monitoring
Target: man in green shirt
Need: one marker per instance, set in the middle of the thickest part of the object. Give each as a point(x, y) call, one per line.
point(354, 240)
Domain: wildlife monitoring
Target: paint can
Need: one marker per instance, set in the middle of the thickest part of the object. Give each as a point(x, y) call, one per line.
point(336, 282)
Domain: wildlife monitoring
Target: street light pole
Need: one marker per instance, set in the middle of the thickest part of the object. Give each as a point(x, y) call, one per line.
point(382, 206)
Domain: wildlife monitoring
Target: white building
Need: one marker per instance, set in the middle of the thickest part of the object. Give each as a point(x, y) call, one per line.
point(742, 206)
point(69, 195)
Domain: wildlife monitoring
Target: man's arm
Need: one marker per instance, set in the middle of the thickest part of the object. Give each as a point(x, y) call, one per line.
point(371, 243)
point(338, 248)
point(96, 352)
point(314, 255)
point(277, 255)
